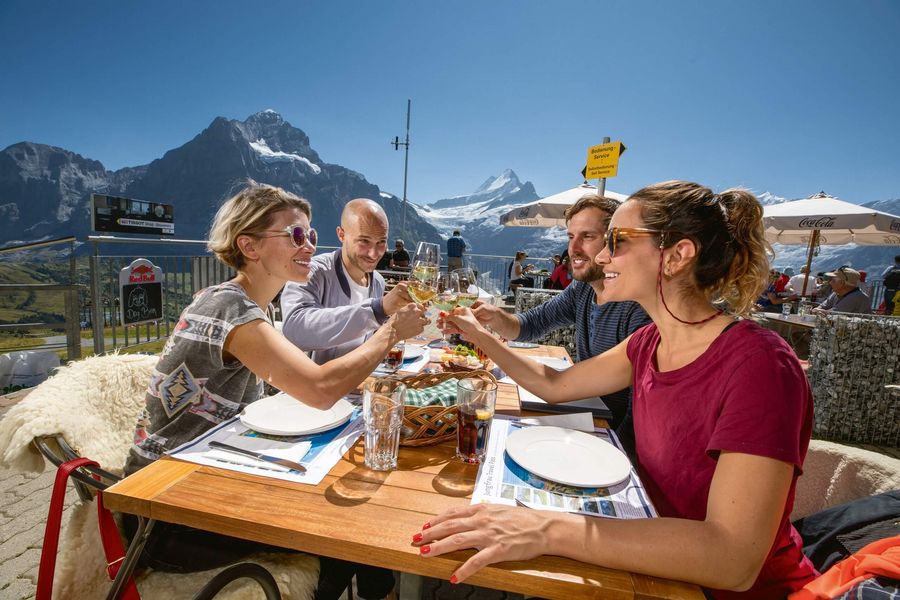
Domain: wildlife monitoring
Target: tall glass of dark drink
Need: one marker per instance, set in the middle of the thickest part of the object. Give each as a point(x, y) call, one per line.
point(475, 400)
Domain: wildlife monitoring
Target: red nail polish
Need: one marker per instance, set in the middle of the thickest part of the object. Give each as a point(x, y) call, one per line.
point(426, 526)
point(424, 549)
point(453, 579)
point(417, 537)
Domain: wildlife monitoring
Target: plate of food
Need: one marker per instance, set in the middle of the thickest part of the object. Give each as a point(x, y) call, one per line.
point(463, 358)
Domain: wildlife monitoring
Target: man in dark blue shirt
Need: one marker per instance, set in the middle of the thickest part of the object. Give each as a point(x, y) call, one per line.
point(456, 247)
point(599, 325)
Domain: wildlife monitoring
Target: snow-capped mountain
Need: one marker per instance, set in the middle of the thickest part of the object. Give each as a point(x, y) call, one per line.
point(477, 216)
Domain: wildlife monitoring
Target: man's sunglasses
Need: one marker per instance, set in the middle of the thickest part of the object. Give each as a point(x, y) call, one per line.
point(298, 235)
point(617, 234)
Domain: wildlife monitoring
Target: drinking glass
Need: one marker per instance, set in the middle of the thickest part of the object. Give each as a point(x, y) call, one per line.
point(786, 310)
point(427, 254)
point(423, 277)
point(383, 414)
point(475, 401)
point(468, 286)
point(447, 293)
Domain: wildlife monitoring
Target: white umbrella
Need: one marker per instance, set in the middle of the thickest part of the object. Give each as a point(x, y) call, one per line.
point(550, 211)
point(823, 219)
point(837, 222)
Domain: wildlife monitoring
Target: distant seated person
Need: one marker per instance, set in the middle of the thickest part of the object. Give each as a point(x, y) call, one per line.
point(560, 278)
point(782, 279)
point(770, 300)
point(518, 271)
point(845, 293)
point(400, 257)
point(797, 286)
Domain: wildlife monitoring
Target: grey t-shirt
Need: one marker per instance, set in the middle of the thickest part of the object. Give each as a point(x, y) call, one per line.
point(192, 388)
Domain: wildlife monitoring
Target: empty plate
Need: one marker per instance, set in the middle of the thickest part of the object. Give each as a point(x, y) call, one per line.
point(283, 415)
point(411, 353)
point(567, 456)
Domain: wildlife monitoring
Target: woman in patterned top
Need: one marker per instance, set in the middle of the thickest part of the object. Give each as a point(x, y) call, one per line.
point(722, 410)
point(224, 347)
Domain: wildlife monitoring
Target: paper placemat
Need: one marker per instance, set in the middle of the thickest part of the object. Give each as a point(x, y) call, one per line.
point(325, 449)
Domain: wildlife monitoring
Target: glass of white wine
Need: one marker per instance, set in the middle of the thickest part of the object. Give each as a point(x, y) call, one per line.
point(422, 285)
point(468, 286)
point(448, 291)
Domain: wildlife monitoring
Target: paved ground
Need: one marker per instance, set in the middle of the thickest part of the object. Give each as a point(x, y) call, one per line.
point(24, 499)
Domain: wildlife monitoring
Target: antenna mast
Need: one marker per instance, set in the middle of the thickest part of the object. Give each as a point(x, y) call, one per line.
point(397, 143)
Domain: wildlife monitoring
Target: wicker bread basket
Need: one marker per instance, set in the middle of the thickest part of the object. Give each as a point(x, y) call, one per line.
point(426, 425)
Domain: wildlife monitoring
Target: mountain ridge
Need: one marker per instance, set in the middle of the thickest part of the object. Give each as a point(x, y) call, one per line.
point(45, 190)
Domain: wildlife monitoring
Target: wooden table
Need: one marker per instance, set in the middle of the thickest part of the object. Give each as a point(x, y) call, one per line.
point(367, 516)
point(795, 329)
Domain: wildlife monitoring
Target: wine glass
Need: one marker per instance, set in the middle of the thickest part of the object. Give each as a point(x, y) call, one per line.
point(427, 254)
point(423, 277)
point(468, 286)
point(448, 292)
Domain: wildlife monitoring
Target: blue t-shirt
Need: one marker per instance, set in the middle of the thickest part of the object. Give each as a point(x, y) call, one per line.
point(456, 246)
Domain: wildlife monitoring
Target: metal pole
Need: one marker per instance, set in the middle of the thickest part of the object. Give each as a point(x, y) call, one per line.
point(97, 302)
point(405, 167)
point(601, 185)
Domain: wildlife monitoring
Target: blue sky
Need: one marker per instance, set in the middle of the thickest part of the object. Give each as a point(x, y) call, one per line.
point(786, 97)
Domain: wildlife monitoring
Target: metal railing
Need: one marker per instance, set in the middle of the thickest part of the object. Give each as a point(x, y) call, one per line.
point(96, 306)
point(70, 299)
point(183, 276)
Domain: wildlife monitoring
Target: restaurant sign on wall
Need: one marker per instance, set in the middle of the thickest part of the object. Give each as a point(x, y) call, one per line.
point(140, 292)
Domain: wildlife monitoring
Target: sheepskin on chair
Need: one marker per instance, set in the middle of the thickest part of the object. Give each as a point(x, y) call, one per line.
point(94, 404)
point(834, 474)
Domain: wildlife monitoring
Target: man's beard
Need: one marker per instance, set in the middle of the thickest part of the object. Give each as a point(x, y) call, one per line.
point(593, 273)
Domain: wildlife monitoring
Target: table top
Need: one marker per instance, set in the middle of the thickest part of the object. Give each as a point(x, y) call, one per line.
point(367, 516)
point(808, 321)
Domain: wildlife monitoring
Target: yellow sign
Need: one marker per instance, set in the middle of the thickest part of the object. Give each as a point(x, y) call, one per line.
point(603, 160)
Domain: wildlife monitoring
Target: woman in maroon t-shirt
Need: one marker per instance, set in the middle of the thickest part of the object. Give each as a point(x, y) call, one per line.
point(722, 410)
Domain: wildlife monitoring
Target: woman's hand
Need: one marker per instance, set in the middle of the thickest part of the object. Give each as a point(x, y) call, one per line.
point(499, 533)
point(462, 320)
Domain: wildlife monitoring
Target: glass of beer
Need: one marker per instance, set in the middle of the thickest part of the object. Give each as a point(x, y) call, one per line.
point(475, 401)
point(383, 413)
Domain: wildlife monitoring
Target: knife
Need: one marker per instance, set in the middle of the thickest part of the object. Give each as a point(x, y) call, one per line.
point(259, 456)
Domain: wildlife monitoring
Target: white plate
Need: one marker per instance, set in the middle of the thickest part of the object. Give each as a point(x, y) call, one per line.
point(283, 415)
point(411, 352)
point(567, 456)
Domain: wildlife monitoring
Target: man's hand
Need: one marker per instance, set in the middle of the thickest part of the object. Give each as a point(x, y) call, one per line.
point(497, 319)
point(410, 320)
point(396, 299)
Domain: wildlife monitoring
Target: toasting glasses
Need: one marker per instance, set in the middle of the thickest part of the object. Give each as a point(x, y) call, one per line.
point(426, 264)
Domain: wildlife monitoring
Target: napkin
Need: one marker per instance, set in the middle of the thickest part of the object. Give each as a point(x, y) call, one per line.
point(578, 421)
point(560, 364)
point(443, 394)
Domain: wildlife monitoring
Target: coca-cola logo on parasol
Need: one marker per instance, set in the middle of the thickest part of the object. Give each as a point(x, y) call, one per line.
point(820, 223)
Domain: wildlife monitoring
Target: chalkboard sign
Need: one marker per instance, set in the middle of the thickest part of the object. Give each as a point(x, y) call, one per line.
point(140, 292)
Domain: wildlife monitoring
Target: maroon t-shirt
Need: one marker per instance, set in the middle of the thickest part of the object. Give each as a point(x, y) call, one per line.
point(745, 393)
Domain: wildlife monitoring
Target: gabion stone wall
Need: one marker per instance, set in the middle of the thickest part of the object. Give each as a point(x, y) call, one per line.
point(527, 298)
point(852, 359)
